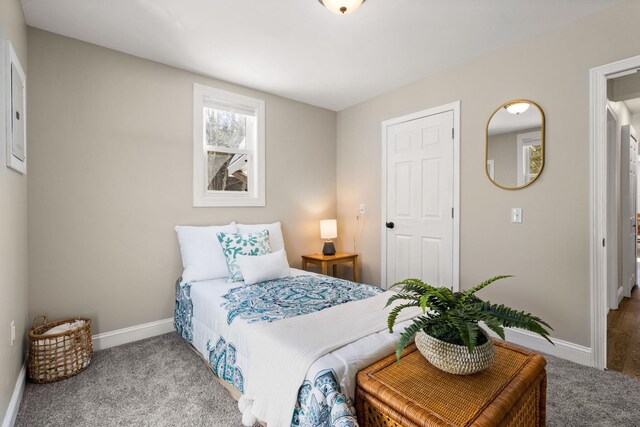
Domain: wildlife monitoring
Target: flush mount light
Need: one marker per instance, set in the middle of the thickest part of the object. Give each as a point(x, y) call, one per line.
point(341, 7)
point(518, 107)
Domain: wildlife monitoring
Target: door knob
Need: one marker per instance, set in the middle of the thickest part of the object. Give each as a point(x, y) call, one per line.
point(390, 225)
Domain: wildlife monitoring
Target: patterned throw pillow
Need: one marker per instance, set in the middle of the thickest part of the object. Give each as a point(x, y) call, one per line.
point(234, 244)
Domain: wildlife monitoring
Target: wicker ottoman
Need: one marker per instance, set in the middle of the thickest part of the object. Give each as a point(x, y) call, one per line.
point(414, 393)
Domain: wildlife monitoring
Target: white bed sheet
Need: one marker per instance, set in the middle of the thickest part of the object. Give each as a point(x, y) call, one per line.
point(209, 321)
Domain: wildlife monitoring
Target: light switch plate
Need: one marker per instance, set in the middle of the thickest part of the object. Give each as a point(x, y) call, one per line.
point(516, 215)
point(361, 210)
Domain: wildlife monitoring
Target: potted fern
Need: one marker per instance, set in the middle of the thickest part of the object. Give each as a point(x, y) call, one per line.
point(448, 334)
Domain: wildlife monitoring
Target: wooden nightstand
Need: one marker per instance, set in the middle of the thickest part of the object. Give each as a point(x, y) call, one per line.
point(324, 261)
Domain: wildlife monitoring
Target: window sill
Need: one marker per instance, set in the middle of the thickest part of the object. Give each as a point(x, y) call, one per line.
point(208, 201)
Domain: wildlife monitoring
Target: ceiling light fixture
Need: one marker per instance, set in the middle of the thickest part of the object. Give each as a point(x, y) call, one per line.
point(518, 107)
point(341, 7)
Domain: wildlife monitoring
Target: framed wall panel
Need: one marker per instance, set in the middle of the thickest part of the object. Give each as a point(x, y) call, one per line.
point(16, 113)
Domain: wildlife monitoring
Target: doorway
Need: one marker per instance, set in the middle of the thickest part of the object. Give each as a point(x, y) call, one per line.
point(420, 186)
point(615, 112)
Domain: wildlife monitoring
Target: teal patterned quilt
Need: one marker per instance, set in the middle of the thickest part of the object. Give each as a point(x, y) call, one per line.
point(291, 296)
point(184, 311)
point(321, 402)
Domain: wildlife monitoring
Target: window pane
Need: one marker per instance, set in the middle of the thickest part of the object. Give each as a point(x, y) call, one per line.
point(226, 129)
point(535, 159)
point(227, 171)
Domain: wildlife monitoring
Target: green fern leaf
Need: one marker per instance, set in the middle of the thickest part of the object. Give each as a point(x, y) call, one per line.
point(468, 332)
point(393, 314)
point(405, 297)
point(409, 332)
point(516, 319)
point(406, 336)
point(470, 292)
point(495, 326)
point(414, 283)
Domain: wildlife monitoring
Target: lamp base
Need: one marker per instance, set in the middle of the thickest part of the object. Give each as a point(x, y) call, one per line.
point(328, 248)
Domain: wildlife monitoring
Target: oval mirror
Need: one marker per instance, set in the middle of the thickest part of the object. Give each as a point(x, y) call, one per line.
point(515, 144)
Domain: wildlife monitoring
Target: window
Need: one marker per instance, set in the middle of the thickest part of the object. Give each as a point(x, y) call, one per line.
point(529, 162)
point(228, 149)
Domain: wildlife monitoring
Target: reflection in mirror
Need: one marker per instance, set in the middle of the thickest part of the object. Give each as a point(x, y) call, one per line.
point(515, 144)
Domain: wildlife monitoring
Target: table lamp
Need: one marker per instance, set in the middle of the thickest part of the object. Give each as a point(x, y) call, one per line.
point(328, 231)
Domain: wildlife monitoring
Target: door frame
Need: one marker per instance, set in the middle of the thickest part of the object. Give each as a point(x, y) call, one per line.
point(598, 77)
point(455, 108)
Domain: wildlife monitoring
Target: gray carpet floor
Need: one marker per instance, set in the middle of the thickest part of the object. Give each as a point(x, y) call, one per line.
point(160, 381)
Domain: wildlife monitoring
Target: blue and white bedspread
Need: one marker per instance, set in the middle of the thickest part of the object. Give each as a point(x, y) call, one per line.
point(211, 315)
point(290, 297)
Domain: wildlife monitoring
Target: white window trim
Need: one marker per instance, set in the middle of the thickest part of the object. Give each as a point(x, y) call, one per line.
point(525, 140)
point(491, 169)
point(201, 196)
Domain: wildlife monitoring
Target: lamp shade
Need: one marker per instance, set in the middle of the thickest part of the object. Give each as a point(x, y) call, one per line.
point(518, 107)
point(328, 228)
point(342, 7)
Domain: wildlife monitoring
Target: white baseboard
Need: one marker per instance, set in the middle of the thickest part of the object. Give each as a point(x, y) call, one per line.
point(12, 410)
point(133, 333)
point(562, 349)
point(620, 295)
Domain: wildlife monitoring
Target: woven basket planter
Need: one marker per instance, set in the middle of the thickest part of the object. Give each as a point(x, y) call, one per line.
point(453, 358)
point(55, 357)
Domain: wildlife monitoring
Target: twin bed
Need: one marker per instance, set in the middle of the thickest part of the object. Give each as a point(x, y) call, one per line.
point(289, 348)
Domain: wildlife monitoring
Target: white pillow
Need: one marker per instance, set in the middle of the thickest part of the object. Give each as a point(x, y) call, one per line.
point(264, 267)
point(202, 256)
point(250, 244)
point(275, 233)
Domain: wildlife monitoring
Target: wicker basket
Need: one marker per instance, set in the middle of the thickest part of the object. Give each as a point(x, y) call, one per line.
point(414, 393)
point(55, 357)
point(453, 358)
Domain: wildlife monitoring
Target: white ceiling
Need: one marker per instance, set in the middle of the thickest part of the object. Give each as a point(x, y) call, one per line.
point(633, 105)
point(505, 122)
point(298, 49)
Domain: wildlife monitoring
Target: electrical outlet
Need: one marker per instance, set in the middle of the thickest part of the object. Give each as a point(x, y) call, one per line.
point(13, 332)
point(361, 210)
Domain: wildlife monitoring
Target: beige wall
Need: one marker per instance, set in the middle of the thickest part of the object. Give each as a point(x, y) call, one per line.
point(111, 176)
point(549, 251)
point(502, 150)
point(635, 123)
point(13, 223)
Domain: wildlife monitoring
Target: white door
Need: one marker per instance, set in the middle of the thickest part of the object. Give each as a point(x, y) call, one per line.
point(614, 290)
point(420, 200)
point(633, 207)
point(628, 182)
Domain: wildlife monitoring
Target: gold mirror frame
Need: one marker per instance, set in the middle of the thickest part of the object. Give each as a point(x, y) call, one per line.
point(486, 144)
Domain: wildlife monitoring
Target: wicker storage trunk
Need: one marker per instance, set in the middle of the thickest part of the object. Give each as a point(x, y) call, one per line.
point(55, 357)
point(512, 392)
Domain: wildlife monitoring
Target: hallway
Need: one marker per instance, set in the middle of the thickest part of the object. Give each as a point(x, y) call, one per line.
point(623, 336)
